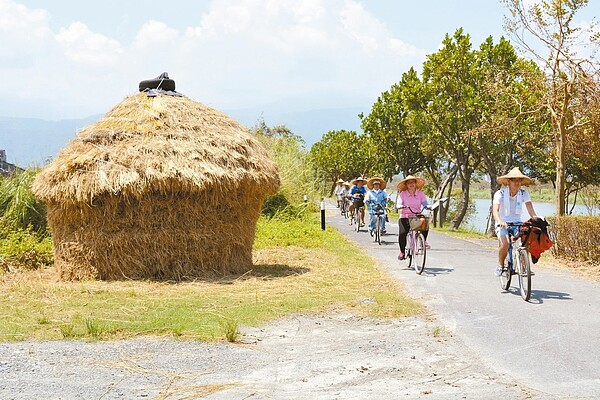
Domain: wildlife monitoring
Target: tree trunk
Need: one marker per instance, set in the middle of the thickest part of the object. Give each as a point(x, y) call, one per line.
point(464, 201)
point(446, 184)
point(560, 169)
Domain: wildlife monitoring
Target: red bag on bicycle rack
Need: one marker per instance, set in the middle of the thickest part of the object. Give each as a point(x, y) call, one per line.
point(534, 236)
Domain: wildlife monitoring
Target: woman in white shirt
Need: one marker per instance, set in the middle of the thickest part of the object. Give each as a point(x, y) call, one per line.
point(507, 207)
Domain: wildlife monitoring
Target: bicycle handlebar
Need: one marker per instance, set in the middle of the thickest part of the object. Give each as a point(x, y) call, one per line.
point(514, 223)
point(416, 212)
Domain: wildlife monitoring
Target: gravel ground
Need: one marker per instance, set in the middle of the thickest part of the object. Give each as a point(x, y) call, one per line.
point(335, 356)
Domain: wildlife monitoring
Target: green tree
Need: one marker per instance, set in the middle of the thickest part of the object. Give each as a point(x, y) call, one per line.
point(340, 154)
point(449, 104)
point(512, 130)
point(572, 77)
point(396, 136)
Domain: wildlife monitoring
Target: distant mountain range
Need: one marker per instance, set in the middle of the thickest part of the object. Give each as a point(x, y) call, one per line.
point(30, 141)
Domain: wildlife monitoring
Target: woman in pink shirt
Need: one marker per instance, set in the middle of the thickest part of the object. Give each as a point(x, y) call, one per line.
point(409, 197)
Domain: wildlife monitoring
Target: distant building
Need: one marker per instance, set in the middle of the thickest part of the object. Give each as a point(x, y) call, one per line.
point(7, 168)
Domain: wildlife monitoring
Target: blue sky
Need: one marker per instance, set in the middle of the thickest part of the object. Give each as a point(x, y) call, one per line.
point(71, 59)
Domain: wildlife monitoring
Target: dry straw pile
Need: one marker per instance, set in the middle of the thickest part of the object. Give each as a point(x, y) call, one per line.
point(160, 188)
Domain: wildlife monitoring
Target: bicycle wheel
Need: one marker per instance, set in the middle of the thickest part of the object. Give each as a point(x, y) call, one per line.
point(506, 275)
point(357, 219)
point(409, 249)
point(505, 278)
point(524, 271)
point(378, 230)
point(420, 253)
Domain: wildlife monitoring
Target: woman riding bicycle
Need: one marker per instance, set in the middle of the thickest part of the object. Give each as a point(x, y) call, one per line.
point(507, 207)
point(410, 199)
point(376, 196)
point(357, 197)
point(340, 192)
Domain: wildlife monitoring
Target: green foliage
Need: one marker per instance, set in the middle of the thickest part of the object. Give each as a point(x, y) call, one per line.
point(397, 138)
point(287, 150)
point(67, 331)
point(231, 330)
point(23, 249)
point(283, 232)
point(274, 204)
point(93, 327)
point(18, 206)
point(340, 154)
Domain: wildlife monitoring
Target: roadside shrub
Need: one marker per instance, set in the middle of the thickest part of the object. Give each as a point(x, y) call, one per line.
point(23, 249)
point(576, 237)
point(274, 204)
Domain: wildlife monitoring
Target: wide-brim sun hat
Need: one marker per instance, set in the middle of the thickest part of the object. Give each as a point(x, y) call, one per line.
point(339, 181)
point(347, 183)
point(360, 178)
point(402, 184)
point(374, 179)
point(514, 173)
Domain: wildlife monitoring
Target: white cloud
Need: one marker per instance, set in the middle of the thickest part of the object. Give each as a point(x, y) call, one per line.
point(241, 54)
point(24, 34)
point(86, 47)
point(155, 35)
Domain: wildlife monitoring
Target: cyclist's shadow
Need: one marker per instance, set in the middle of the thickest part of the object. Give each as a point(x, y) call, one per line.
point(538, 296)
point(435, 271)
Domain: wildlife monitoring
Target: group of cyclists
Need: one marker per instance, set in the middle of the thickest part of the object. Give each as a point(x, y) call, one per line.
point(507, 205)
point(371, 192)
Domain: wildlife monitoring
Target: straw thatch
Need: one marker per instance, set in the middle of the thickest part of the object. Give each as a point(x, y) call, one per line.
point(160, 188)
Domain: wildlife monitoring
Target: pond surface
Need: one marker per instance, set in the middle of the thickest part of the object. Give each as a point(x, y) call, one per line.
point(482, 207)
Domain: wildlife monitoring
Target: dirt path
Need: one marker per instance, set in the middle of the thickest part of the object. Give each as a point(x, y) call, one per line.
point(302, 357)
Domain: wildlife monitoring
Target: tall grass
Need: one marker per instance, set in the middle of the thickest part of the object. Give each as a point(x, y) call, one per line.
point(24, 240)
point(298, 178)
point(19, 208)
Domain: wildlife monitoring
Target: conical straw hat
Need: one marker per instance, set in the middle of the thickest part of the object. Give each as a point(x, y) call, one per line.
point(515, 173)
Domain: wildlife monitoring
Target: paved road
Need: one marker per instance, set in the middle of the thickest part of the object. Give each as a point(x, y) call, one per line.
point(550, 343)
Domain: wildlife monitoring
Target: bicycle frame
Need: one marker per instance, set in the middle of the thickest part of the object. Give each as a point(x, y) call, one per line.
point(517, 263)
point(345, 207)
point(416, 250)
point(356, 217)
point(379, 214)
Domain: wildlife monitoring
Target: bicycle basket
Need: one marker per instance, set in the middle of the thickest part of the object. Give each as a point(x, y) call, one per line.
point(419, 223)
point(358, 202)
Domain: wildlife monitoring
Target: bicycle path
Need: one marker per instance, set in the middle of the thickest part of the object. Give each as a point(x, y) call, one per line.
point(549, 344)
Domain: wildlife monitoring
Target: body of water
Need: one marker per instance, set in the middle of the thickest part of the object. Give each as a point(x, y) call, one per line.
point(482, 207)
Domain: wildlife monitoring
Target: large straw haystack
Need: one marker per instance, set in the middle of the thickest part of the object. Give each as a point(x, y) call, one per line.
point(161, 188)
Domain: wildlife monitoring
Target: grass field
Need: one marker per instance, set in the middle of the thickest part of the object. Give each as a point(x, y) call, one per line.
point(298, 268)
